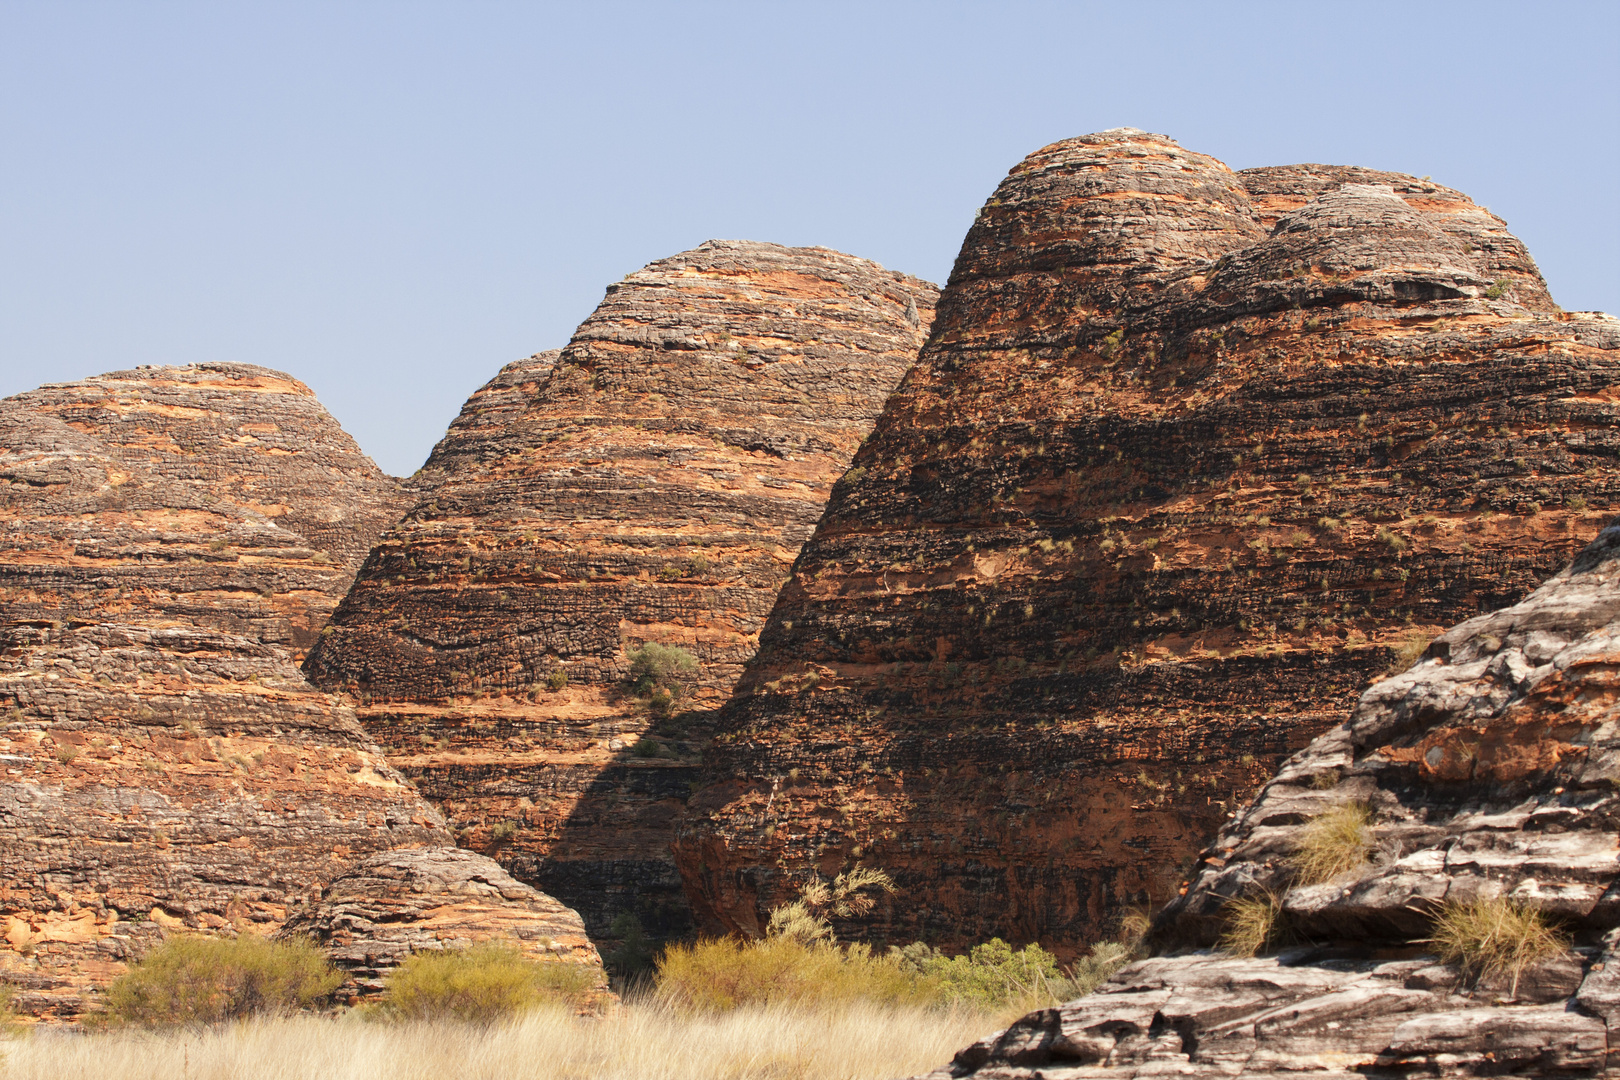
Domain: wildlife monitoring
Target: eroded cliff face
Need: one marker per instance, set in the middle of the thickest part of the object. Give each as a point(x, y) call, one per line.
point(169, 539)
point(1189, 458)
point(1488, 770)
point(653, 482)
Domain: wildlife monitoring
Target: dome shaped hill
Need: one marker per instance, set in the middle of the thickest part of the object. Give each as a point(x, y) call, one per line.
point(170, 541)
point(597, 541)
point(1191, 457)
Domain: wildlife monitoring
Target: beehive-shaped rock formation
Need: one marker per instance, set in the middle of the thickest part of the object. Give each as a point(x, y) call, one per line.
point(1190, 456)
point(1487, 772)
point(652, 483)
point(169, 539)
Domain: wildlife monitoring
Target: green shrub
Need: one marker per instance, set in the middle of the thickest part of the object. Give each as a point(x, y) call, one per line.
point(1487, 938)
point(655, 667)
point(994, 973)
point(482, 984)
point(1335, 841)
point(557, 680)
point(645, 747)
point(197, 980)
point(637, 952)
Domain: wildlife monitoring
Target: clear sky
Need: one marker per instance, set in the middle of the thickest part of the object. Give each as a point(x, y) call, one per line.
point(391, 200)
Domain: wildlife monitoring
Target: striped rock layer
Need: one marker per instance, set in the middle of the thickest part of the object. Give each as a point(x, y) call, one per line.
point(170, 539)
point(652, 482)
point(1190, 457)
point(1487, 772)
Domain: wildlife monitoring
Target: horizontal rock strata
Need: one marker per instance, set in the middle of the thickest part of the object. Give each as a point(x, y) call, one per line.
point(1190, 457)
point(1487, 772)
point(396, 903)
point(169, 539)
point(653, 482)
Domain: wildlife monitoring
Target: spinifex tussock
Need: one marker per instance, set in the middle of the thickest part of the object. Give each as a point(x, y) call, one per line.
point(1335, 842)
point(1492, 937)
point(1253, 924)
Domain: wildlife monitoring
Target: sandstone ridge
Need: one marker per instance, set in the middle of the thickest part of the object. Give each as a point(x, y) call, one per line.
point(650, 483)
point(1190, 457)
point(170, 538)
point(1489, 771)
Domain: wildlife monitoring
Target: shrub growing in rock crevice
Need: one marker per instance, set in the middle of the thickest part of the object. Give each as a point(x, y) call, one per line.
point(1486, 938)
point(1334, 842)
point(662, 674)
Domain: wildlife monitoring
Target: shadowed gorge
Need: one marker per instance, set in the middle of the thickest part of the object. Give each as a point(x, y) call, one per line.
point(651, 483)
point(170, 539)
point(1191, 456)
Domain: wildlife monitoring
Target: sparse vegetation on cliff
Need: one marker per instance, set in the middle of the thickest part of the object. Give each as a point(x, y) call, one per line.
point(662, 674)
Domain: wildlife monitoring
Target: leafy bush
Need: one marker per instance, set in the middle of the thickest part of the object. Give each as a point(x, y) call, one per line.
point(655, 667)
point(995, 973)
point(1334, 842)
point(481, 984)
point(201, 980)
point(557, 680)
point(645, 747)
point(1487, 938)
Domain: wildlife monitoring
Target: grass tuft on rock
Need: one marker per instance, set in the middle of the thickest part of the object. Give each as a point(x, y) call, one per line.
point(1487, 938)
point(482, 984)
point(196, 981)
point(1333, 843)
point(1253, 924)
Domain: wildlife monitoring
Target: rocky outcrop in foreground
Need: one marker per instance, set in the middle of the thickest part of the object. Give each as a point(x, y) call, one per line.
point(169, 540)
point(652, 483)
point(1190, 458)
point(1487, 771)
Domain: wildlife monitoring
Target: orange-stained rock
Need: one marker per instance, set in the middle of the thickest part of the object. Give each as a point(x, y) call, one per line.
point(651, 483)
point(169, 537)
point(1190, 456)
point(403, 901)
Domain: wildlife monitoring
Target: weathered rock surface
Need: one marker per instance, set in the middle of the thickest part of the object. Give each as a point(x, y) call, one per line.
point(169, 538)
point(1489, 770)
point(1189, 457)
point(654, 485)
point(403, 901)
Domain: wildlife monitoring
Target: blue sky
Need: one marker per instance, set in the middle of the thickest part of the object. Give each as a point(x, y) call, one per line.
point(391, 200)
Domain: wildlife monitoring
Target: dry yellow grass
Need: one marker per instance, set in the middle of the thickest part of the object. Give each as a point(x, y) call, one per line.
point(1335, 842)
point(637, 1042)
point(1496, 937)
point(1253, 924)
